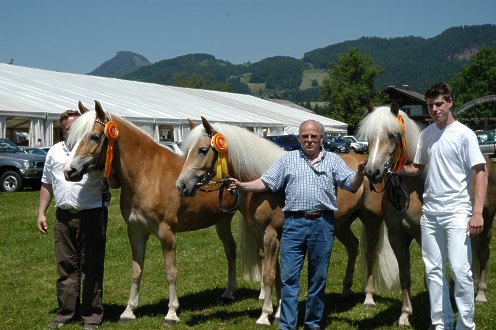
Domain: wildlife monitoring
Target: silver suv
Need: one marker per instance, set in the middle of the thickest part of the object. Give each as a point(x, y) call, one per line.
point(486, 142)
point(19, 169)
point(355, 145)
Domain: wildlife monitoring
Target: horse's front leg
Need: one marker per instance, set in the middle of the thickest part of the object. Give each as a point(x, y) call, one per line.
point(350, 242)
point(168, 243)
point(400, 243)
point(224, 232)
point(138, 242)
point(271, 253)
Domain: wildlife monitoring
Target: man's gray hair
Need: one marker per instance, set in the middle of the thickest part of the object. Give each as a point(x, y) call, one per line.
point(322, 129)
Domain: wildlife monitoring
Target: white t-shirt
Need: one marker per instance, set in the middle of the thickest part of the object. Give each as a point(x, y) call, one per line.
point(82, 195)
point(450, 154)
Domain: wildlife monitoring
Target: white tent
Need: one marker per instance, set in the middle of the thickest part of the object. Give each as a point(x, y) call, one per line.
point(31, 101)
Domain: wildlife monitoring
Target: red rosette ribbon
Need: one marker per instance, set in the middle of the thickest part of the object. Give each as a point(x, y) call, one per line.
point(111, 131)
point(400, 157)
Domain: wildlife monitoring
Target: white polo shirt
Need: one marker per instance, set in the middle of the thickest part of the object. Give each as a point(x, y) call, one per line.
point(85, 194)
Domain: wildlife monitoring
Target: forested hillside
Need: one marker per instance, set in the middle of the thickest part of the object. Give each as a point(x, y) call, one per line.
point(410, 60)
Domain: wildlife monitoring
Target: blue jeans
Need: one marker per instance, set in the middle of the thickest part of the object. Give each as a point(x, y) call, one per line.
point(299, 236)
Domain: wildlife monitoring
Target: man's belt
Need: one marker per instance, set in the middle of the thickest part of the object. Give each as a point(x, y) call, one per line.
point(77, 211)
point(307, 214)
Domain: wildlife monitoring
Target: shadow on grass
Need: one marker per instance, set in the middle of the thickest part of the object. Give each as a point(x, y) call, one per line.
point(206, 299)
point(205, 306)
point(336, 308)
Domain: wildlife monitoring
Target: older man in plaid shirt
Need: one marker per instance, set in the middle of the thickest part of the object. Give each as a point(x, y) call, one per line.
point(309, 177)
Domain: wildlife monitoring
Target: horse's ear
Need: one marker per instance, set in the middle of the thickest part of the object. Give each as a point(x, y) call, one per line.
point(208, 128)
point(369, 106)
point(82, 108)
point(99, 110)
point(395, 108)
point(191, 124)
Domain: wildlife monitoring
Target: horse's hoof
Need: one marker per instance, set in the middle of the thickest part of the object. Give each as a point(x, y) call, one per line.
point(124, 320)
point(369, 306)
point(170, 323)
point(480, 301)
point(226, 301)
point(347, 293)
point(263, 324)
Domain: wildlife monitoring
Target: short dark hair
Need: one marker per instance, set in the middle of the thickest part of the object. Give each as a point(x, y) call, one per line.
point(68, 113)
point(437, 89)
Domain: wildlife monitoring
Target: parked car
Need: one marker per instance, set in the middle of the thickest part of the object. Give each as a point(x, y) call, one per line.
point(34, 151)
point(355, 145)
point(174, 146)
point(287, 142)
point(487, 144)
point(19, 169)
point(336, 144)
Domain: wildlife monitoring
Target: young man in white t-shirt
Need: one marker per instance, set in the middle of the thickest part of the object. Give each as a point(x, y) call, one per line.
point(449, 215)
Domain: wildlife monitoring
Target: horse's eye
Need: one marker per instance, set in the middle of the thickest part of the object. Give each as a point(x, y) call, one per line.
point(94, 137)
point(203, 151)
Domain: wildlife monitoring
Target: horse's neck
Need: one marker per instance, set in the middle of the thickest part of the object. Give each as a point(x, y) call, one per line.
point(134, 151)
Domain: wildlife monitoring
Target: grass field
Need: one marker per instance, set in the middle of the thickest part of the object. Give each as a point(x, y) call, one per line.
point(312, 74)
point(27, 281)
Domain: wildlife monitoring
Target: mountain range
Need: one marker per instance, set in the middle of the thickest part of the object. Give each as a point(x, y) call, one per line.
point(413, 61)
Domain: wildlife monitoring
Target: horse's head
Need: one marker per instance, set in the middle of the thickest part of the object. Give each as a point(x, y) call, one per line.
point(392, 137)
point(201, 158)
point(90, 135)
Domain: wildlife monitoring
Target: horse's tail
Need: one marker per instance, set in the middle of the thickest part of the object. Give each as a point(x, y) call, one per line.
point(250, 251)
point(385, 271)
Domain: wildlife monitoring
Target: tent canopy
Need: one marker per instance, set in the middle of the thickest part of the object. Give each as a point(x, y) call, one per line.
point(33, 93)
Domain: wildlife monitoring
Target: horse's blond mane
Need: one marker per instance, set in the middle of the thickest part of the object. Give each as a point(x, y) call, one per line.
point(249, 154)
point(381, 122)
point(84, 124)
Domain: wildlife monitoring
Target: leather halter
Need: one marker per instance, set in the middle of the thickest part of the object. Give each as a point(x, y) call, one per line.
point(396, 191)
point(220, 183)
point(103, 144)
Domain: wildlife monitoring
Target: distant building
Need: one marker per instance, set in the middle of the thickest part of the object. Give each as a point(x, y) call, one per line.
point(411, 102)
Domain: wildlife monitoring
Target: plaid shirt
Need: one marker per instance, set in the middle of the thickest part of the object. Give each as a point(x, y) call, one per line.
point(309, 187)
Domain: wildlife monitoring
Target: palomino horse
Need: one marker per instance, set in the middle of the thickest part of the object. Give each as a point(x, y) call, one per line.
point(401, 205)
point(150, 204)
point(248, 157)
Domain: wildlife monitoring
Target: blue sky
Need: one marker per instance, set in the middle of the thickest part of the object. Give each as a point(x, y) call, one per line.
point(79, 35)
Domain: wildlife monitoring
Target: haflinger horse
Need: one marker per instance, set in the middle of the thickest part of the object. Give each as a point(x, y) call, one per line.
point(393, 138)
point(246, 157)
point(150, 204)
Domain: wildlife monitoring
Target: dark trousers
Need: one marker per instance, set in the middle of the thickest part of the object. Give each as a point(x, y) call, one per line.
point(80, 251)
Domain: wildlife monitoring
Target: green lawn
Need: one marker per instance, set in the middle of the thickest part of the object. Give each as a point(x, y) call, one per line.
point(27, 281)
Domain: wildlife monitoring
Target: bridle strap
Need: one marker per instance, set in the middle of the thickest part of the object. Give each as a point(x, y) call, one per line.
point(221, 179)
point(397, 194)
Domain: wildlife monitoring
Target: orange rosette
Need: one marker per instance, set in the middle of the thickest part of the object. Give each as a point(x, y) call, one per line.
point(219, 143)
point(111, 130)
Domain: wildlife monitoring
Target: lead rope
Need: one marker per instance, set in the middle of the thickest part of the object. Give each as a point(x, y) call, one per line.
point(106, 197)
point(397, 194)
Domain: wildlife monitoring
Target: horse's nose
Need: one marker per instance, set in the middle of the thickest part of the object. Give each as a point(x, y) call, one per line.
point(183, 189)
point(374, 175)
point(72, 175)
